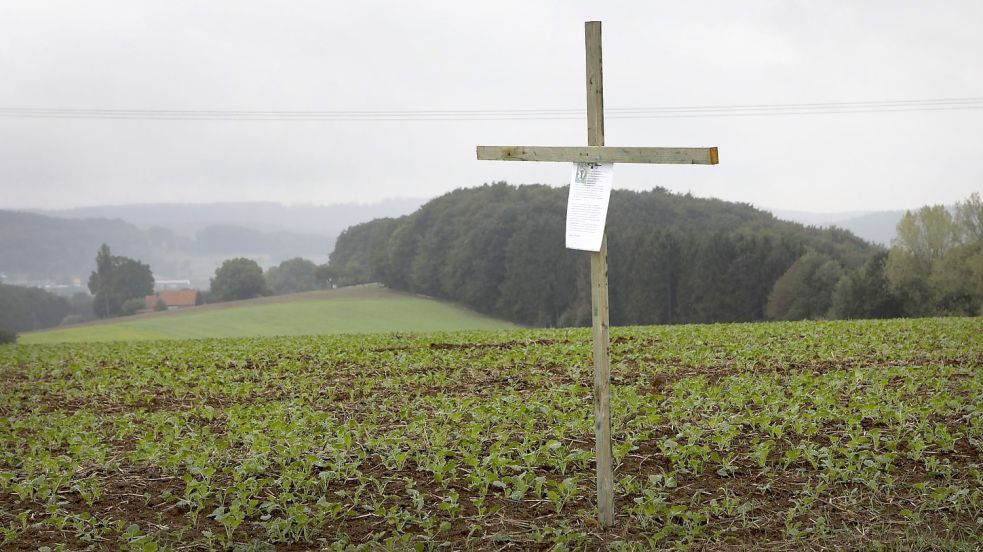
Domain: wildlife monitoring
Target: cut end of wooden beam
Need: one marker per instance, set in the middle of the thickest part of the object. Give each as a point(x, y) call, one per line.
point(713, 156)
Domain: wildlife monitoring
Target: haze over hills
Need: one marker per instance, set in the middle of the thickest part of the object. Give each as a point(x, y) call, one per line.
point(185, 219)
point(189, 240)
point(878, 227)
point(35, 249)
point(179, 241)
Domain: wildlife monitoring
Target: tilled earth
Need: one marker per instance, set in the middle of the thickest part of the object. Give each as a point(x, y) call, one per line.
point(832, 435)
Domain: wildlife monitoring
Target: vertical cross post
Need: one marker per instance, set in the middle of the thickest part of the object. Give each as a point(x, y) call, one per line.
point(599, 294)
point(597, 152)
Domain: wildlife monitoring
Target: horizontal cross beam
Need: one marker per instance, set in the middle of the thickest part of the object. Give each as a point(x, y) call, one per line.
point(600, 154)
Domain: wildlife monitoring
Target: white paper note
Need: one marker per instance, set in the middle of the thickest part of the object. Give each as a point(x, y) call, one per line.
point(587, 205)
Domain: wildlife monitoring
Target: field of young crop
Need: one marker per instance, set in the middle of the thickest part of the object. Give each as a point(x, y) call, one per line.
point(811, 435)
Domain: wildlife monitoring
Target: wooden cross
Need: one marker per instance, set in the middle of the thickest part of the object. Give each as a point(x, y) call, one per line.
point(596, 152)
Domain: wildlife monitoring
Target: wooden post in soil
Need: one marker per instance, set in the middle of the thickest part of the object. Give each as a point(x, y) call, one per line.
point(597, 152)
point(599, 295)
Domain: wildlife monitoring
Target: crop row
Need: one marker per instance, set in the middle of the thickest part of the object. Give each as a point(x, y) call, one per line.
point(852, 434)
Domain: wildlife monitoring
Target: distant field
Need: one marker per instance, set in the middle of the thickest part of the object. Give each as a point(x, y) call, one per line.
point(363, 309)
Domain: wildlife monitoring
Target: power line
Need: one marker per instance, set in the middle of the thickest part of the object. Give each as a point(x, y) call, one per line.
point(703, 111)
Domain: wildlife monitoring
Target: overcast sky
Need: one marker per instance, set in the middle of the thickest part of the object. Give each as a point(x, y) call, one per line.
point(454, 55)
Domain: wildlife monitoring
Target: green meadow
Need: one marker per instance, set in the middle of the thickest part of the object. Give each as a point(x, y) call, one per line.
point(362, 309)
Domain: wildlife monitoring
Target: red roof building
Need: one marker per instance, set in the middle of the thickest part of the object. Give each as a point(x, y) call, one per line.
point(174, 299)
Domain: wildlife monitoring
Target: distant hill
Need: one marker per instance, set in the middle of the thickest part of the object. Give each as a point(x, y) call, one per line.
point(36, 248)
point(673, 258)
point(878, 227)
point(181, 241)
point(185, 219)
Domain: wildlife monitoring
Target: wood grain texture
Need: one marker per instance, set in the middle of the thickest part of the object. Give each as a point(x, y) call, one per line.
point(602, 385)
point(600, 154)
point(596, 152)
point(595, 84)
point(599, 294)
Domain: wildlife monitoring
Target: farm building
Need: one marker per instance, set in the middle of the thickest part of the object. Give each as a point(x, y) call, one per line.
point(174, 299)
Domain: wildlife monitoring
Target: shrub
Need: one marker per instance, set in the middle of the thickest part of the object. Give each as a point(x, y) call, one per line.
point(131, 306)
point(236, 279)
point(7, 337)
point(72, 319)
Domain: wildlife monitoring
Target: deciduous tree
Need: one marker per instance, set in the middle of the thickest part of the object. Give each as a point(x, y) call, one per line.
point(866, 293)
point(236, 279)
point(117, 279)
point(292, 276)
point(805, 291)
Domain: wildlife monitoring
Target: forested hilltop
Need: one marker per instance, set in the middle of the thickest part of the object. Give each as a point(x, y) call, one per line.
point(673, 258)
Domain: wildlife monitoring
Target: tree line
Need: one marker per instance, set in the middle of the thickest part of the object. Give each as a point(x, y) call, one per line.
point(933, 268)
point(243, 278)
point(119, 286)
point(672, 258)
point(499, 249)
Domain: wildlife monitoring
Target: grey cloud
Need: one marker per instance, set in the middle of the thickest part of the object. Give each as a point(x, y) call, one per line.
point(464, 55)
